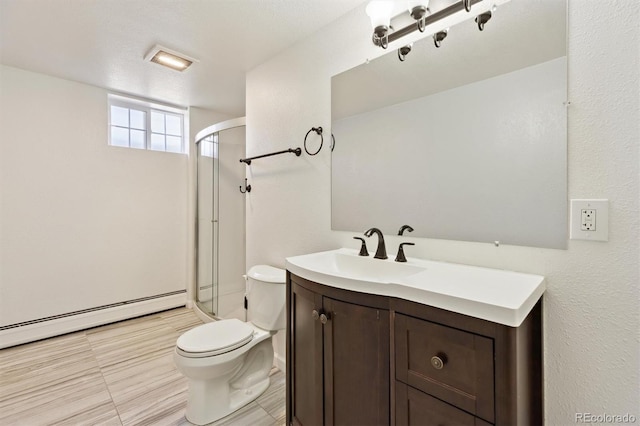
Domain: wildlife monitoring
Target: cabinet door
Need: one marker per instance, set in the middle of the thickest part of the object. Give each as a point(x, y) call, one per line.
point(306, 357)
point(356, 364)
point(417, 408)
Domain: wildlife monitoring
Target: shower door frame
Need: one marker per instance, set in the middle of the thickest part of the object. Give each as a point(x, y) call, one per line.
point(200, 136)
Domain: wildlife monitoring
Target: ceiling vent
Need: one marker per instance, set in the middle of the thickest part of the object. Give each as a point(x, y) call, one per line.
point(169, 58)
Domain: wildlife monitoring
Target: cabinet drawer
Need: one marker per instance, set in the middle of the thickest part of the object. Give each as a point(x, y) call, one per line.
point(417, 408)
point(453, 365)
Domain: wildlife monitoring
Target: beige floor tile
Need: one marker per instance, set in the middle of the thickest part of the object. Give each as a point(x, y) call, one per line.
point(181, 320)
point(132, 340)
point(272, 400)
point(162, 405)
point(143, 389)
point(44, 363)
point(53, 381)
point(119, 374)
point(80, 399)
point(251, 414)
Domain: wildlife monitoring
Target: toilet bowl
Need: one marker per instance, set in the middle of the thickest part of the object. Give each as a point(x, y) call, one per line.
point(227, 362)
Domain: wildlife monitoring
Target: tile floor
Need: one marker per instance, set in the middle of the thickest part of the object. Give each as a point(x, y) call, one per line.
point(118, 374)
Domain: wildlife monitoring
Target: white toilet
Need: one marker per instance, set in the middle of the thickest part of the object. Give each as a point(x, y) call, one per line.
point(227, 362)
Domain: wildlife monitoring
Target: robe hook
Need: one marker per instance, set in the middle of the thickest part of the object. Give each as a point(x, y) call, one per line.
point(247, 188)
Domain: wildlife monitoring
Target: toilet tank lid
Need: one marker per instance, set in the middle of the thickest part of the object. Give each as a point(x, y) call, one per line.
point(267, 274)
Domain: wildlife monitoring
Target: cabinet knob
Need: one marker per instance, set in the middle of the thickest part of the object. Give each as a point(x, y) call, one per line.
point(315, 314)
point(323, 319)
point(438, 361)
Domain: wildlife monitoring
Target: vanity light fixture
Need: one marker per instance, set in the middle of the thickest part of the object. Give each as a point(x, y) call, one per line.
point(379, 11)
point(169, 58)
point(483, 19)
point(383, 32)
point(404, 51)
point(439, 36)
point(418, 9)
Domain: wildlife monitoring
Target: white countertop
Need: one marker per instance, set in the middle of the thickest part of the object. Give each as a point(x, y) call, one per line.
point(504, 297)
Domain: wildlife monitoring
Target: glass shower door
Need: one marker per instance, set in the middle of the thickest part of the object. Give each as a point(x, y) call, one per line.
point(207, 224)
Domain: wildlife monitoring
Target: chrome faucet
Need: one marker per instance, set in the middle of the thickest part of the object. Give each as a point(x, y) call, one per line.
point(381, 252)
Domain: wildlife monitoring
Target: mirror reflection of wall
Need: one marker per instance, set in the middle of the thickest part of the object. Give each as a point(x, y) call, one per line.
point(465, 142)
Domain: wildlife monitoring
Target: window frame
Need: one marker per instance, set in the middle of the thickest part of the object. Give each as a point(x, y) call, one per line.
point(148, 107)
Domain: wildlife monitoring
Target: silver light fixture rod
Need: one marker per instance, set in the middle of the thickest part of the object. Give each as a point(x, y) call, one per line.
point(428, 20)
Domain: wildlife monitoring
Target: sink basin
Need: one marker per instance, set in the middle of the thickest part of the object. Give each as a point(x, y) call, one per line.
point(500, 296)
point(346, 264)
point(371, 269)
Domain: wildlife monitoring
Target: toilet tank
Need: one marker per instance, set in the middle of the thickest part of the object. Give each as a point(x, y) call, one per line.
point(266, 296)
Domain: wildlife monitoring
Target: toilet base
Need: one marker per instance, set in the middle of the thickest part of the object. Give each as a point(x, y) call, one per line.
point(245, 379)
point(200, 413)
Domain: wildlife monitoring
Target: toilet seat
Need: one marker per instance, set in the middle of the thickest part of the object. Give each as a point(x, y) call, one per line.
point(214, 338)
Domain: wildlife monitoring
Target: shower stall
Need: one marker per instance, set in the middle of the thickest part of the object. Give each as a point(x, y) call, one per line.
point(220, 220)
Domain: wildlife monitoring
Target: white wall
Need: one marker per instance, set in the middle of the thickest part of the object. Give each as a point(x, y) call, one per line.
point(82, 224)
point(231, 238)
point(591, 310)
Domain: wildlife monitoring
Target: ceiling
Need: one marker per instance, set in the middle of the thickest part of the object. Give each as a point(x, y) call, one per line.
point(103, 42)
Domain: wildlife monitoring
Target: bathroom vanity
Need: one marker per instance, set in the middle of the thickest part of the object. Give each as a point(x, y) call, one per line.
point(374, 342)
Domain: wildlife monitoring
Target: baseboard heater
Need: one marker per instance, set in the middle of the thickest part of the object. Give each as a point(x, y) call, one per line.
point(42, 328)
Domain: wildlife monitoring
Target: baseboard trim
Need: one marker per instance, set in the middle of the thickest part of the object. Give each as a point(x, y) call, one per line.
point(56, 327)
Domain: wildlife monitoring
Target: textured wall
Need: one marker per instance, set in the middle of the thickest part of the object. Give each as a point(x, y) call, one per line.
point(591, 310)
point(83, 224)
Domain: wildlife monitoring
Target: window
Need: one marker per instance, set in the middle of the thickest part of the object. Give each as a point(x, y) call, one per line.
point(145, 125)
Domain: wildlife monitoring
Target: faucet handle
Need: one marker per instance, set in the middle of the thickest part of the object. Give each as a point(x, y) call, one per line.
point(400, 257)
point(405, 227)
point(363, 247)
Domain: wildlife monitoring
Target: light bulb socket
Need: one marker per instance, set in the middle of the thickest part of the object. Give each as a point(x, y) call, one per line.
point(404, 51)
point(438, 37)
point(380, 36)
point(483, 19)
point(419, 12)
point(380, 31)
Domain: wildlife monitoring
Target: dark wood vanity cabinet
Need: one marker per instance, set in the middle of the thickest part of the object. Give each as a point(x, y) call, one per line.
point(361, 359)
point(304, 357)
point(337, 360)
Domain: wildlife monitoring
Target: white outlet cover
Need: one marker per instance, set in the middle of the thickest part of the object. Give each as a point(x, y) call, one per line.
point(601, 222)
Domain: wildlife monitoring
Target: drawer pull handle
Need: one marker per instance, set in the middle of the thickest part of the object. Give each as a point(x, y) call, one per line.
point(438, 361)
point(323, 318)
point(315, 314)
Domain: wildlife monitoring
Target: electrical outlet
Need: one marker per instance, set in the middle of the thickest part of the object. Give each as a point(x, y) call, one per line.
point(590, 220)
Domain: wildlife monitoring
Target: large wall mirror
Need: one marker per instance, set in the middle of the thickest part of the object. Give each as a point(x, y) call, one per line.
point(463, 142)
